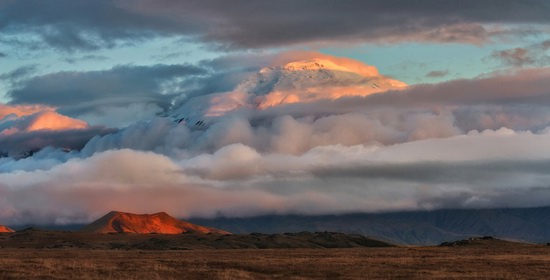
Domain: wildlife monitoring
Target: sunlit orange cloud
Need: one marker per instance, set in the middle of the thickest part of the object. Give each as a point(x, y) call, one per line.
point(51, 120)
point(21, 110)
point(44, 120)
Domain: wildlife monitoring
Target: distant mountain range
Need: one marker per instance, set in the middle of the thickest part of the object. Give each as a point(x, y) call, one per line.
point(418, 228)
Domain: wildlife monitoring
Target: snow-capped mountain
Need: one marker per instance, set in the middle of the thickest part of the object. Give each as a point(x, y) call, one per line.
point(315, 73)
point(294, 82)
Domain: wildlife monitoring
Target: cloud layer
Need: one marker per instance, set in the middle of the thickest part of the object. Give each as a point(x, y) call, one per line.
point(459, 144)
point(90, 25)
point(26, 129)
point(115, 97)
point(477, 170)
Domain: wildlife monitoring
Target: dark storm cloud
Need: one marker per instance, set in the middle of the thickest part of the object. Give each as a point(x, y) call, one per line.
point(89, 24)
point(72, 25)
point(78, 92)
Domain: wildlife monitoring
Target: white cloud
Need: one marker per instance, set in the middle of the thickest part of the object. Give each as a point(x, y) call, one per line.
point(486, 169)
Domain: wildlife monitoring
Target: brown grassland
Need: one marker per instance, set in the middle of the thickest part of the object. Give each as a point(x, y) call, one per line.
point(475, 262)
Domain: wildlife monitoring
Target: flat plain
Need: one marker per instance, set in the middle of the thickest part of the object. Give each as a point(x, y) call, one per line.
point(486, 260)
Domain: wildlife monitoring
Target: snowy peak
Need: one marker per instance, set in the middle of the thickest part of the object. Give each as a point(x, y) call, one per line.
point(298, 76)
point(314, 64)
point(300, 81)
point(315, 75)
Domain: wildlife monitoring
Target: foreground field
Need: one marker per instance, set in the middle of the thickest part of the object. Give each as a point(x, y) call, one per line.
point(475, 262)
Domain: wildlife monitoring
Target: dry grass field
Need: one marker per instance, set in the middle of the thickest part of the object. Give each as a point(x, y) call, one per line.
point(517, 261)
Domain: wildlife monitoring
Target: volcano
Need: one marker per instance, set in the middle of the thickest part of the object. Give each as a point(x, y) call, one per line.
point(301, 81)
point(5, 229)
point(162, 223)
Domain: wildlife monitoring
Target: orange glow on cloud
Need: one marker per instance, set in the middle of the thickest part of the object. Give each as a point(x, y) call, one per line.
point(51, 120)
point(41, 120)
point(21, 110)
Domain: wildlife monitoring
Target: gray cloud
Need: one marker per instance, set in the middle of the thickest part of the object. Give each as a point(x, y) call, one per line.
point(225, 72)
point(437, 73)
point(515, 57)
point(126, 94)
point(518, 100)
point(530, 86)
point(20, 73)
point(20, 144)
point(84, 58)
point(97, 92)
point(532, 55)
point(89, 25)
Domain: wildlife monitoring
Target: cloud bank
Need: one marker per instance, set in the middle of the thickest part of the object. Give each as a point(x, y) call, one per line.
point(91, 25)
point(116, 97)
point(29, 128)
point(472, 143)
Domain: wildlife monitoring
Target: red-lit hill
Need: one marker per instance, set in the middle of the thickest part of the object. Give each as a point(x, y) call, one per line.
point(5, 229)
point(162, 223)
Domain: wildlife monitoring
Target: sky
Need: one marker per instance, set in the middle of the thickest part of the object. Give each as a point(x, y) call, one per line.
point(204, 109)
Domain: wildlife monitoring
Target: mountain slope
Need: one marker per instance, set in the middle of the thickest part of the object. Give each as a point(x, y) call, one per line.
point(295, 82)
point(419, 228)
point(120, 222)
point(5, 229)
point(315, 73)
